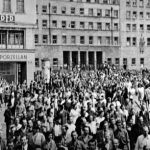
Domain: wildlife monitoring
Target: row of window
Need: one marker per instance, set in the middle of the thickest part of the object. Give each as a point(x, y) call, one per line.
point(81, 25)
point(7, 6)
point(113, 2)
point(73, 11)
point(133, 27)
point(125, 61)
point(135, 2)
point(73, 40)
point(134, 15)
point(12, 39)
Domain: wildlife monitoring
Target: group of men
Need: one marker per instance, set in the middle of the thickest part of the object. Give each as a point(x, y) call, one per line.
point(105, 109)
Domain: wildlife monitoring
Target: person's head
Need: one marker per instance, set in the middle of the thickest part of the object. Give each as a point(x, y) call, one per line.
point(64, 129)
point(17, 121)
point(24, 140)
point(112, 121)
point(74, 135)
point(107, 136)
point(92, 144)
point(119, 124)
point(106, 125)
point(30, 123)
point(141, 119)
point(145, 131)
point(49, 136)
point(86, 130)
point(24, 123)
point(115, 143)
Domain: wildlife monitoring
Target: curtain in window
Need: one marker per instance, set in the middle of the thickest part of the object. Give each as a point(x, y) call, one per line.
point(20, 6)
point(7, 5)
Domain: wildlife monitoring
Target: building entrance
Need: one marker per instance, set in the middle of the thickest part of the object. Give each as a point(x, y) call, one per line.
point(13, 71)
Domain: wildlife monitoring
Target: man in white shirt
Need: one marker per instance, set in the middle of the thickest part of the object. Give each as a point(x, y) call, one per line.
point(143, 141)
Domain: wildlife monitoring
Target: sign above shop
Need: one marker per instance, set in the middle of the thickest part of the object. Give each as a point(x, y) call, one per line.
point(13, 57)
point(7, 18)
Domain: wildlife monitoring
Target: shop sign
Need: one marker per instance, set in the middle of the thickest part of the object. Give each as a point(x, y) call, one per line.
point(13, 57)
point(7, 18)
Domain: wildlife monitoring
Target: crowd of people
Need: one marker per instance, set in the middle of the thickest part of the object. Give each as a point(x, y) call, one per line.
point(105, 109)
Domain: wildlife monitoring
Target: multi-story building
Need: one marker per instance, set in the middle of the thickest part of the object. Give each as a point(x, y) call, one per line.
point(77, 32)
point(17, 51)
point(135, 33)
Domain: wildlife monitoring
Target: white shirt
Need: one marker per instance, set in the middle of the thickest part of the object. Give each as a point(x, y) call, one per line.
point(142, 141)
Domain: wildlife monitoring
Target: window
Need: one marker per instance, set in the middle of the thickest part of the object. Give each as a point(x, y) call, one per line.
point(99, 26)
point(99, 40)
point(63, 24)
point(90, 25)
point(133, 27)
point(99, 12)
point(141, 15)
point(133, 61)
point(148, 3)
point(15, 38)
point(148, 27)
point(141, 4)
point(82, 40)
point(90, 12)
point(3, 36)
point(54, 24)
point(64, 39)
point(128, 27)
point(88, 1)
point(107, 40)
point(134, 3)
point(20, 6)
point(105, 1)
point(134, 15)
point(90, 39)
point(117, 61)
point(81, 11)
point(36, 38)
point(44, 9)
point(44, 23)
point(107, 26)
point(7, 5)
point(128, 15)
point(116, 40)
point(107, 13)
point(141, 27)
point(116, 26)
point(141, 61)
point(116, 13)
point(124, 61)
point(37, 22)
point(37, 9)
point(134, 41)
point(73, 40)
point(55, 61)
point(63, 10)
point(109, 61)
point(128, 41)
point(82, 25)
point(115, 2)
point(45, 39)
point(73, 25)
point(54, 9)
point(148, 41)
point(72, 10)
point(148, 15)
point(54, 39)
point(37, 62)
point(128, 2)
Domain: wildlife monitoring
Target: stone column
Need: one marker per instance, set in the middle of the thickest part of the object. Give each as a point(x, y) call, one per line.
point(95, 61)
point(70, 60)
point(79, 58)
point(87, 59)
point(46, 70)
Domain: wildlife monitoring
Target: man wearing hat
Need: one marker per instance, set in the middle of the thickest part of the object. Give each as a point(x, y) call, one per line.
point(122, 135)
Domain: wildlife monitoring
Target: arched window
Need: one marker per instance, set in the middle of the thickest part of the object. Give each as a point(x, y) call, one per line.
point(7, 5)
point(20, 6)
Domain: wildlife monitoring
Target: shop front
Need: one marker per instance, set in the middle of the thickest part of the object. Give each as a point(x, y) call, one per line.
point(17, 67)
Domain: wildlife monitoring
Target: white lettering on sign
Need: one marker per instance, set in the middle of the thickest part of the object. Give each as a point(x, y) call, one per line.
point(7, 18)
point(9, 57)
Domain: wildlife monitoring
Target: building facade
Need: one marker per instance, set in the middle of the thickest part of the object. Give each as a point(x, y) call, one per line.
point(77, 32)
point(135, 33)
point(17, 50)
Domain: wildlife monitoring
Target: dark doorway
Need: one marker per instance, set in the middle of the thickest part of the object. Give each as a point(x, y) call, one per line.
point(22, 72)
point(74, 58)
point(66, 60)
point(99, 59)
point(91, 60)
point(83, 59)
